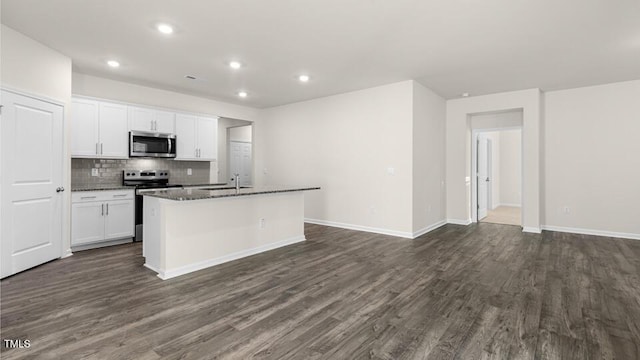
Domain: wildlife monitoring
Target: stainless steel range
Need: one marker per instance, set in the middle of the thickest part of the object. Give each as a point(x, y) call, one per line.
point(145, 180)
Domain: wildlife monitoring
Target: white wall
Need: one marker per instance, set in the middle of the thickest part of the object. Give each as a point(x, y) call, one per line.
point(592, 159)
point(122, 91)
point(458, 152)
point(346, 144)
point(240, 133)
point(30, 67)
point(429, 206)
point(510, 167)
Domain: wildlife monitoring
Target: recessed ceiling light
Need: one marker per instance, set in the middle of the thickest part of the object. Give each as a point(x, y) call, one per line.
point(235, 64)
point(465, 94)
point(304, 78)
point(242, 94)
point(113, 63)
point(165, 29)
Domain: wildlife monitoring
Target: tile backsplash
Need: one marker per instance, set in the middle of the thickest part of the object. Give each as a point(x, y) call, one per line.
point(110, 171)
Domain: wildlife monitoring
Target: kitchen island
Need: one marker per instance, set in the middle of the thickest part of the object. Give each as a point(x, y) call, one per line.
point(186, 230)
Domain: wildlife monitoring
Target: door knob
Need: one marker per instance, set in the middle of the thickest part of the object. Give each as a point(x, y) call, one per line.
point(60, 189)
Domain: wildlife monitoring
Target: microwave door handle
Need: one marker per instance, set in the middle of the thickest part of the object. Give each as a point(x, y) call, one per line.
point(169, 141)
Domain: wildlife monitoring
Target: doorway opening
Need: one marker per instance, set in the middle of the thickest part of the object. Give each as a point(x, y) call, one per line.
point(235, 152)
point(498, 180)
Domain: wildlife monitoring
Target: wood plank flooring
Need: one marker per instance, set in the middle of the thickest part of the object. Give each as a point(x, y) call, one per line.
point(475, 292)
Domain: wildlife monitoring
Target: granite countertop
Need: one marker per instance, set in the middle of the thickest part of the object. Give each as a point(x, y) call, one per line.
point(101, 188)
point(201, 194)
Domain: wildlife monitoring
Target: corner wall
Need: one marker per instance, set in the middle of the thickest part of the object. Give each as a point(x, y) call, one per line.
point(356, 146)
point(428, 138)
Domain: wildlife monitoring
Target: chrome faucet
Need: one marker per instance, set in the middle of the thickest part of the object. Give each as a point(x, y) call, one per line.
point(237, 176)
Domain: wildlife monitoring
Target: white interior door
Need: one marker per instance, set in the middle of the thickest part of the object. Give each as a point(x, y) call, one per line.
point(31, 206)
point(235, 160)
point(241, 162)
point(483, 176)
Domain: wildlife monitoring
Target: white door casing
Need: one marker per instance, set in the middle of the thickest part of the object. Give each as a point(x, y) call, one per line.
point(482, 176)
point(32, 163)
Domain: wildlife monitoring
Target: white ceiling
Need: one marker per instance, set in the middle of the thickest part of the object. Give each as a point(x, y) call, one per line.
point(450, 46)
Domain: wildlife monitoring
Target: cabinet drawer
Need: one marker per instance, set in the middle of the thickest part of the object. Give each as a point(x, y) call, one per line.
point(106, 195)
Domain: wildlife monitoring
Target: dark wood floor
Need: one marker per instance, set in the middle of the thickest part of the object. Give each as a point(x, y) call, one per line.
point(482, 291)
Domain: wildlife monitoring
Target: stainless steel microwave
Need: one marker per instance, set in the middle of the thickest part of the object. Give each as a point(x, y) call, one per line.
point(148, 144)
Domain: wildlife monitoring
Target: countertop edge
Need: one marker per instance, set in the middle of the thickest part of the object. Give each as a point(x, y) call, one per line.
point(227, 195)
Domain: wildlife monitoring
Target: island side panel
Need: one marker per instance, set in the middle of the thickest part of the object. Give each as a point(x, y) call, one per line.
point(152, 234)
point(205, 233)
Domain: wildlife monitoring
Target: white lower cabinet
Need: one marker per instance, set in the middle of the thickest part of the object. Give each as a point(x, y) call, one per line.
point(98, 216)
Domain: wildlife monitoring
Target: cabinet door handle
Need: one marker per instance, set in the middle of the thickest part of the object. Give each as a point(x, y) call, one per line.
point(101, 144)
point(102, 210)
point(120, 195)
point(107, 208)
point(87, 197)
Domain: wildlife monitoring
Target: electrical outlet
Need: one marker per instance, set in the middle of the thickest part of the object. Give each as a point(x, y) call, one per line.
point(189, 171)
point(391, 171)
point(94, 172)
point(263, 223)
point(566, 209)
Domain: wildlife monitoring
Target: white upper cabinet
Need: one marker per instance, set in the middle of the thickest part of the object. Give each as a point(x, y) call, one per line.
point(207, 133)
point(151, 120)
point(196, 138)
point(186, 147)
point(165, 122)
point(84, 128)
point(99, 129)
point(113, 131)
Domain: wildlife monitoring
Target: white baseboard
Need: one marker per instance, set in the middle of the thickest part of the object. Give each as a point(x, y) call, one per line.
point(459, 222)
point(531, 229)
point(66, 254)
point(402, 234)
point(591, 232)
point(429, 228)
point(511, 205)
point(171, 273)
